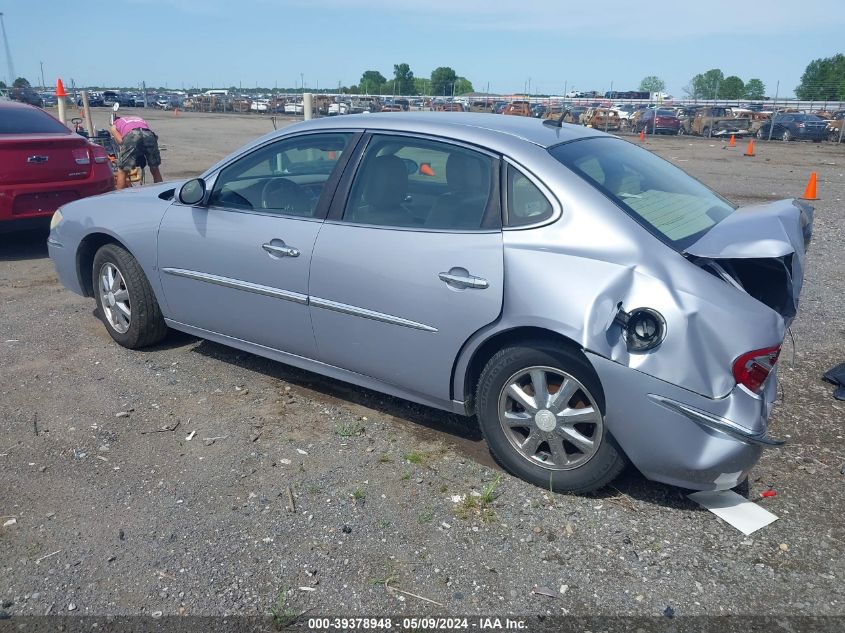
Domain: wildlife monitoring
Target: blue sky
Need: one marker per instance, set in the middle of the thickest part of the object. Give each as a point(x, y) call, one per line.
point(588, 45)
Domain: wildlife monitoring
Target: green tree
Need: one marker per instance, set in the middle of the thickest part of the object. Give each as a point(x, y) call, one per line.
point(706, 85)
point(372, 81)
point(3, 85)
point(443, 80)
point(732, 87)
point(463, 86)
point(404, 78)
point(652, 83)
point(20, 82)
point(422, 85)
point(755, 89)
point(823, 80)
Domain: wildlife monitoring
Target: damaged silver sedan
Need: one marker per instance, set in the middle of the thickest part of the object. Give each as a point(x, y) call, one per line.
point(587, 301)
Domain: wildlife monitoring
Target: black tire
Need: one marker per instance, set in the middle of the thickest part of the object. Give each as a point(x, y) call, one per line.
point(146, 324)
point(602, 467)
point(760, 135)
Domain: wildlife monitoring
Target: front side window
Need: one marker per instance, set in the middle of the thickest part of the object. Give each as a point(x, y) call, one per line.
point(414, 182)
point(667, 201)
point(286, 177)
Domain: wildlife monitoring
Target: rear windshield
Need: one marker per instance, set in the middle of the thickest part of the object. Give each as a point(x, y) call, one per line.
point(668, 202)
point(28, 121)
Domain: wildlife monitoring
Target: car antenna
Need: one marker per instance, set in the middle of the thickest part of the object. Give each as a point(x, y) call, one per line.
point(554, 122)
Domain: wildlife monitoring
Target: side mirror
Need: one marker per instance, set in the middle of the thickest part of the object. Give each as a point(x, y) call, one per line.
point(192, 192)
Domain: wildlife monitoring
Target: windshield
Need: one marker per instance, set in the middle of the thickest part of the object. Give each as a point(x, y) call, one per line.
point(668, 202)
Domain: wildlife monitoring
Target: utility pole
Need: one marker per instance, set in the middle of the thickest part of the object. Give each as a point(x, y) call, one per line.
point(43, 86)
point(11, 66)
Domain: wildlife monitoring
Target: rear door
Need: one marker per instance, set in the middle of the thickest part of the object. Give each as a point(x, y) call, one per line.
point(409, 264)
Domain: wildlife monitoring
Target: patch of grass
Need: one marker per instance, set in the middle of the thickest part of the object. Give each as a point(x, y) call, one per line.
point(384, 524)
point(415, 457)
point(389, 576)
point(384, 458)
point(426, 517)
point(480, 506)
point(349, 429)
point(405, 475)
point(444, 488)
point(313, 490)
point(489, 492)
point(359, 494)
point(283, 614)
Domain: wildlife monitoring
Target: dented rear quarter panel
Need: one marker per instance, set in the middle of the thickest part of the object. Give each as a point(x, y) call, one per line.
point(569, 277)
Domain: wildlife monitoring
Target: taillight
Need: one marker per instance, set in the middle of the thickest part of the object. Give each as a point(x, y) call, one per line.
point(81, 156)
point(752, 368)
point(98, 152)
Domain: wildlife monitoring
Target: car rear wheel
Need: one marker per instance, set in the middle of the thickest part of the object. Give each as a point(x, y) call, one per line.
point(126, 302)
point(760, 135)
point(541, 410)
point(787, 135)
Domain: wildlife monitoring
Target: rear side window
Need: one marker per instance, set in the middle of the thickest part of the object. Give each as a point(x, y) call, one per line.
point(667, 201)
point(526, 203)
point(29, 121)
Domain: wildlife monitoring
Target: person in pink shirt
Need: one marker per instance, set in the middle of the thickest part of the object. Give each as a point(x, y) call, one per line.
point(138, 147)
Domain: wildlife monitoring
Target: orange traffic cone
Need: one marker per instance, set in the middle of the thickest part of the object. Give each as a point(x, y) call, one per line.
point(750, 150)
point(732, 142)
point(810, 191)
point(642, 135)
point(60, 88)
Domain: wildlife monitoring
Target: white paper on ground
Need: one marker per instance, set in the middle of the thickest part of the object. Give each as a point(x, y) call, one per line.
point(744, 515)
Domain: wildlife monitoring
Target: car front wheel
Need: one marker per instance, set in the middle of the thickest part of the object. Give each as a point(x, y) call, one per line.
point(126, 302)
point(787, 135)
point(541, 410)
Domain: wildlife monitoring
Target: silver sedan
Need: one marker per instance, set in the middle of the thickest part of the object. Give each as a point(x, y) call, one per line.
point(587, 301)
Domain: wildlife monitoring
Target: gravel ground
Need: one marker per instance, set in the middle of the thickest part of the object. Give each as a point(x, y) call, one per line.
point(301, 491)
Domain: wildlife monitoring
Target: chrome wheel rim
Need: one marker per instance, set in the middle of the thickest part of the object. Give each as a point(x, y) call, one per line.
point(550, 418)
point(114, 298)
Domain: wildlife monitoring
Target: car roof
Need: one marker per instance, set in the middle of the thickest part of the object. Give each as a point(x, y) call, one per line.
point(492, 130)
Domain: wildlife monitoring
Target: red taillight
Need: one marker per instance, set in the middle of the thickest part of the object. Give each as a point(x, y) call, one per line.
point(81, 156)
point(98, 152)
point(752, 368)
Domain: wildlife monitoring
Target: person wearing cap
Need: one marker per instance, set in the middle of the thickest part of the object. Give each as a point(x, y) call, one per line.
point(138, 146)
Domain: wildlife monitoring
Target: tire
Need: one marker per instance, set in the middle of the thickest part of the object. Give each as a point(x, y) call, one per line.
point(760, 135)
point(705, 131)
point(682, 131)
point(550, 460)
point(787, 136)
point(128, 291)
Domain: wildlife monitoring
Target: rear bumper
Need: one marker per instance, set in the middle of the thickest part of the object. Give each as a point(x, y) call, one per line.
point(681, 438)
point(40, 200)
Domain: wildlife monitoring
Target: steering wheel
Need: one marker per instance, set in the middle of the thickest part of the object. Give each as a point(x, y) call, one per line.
point(281, 194)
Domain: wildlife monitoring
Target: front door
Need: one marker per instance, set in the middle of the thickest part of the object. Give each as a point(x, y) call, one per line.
point(238, 266)
point(410, 263)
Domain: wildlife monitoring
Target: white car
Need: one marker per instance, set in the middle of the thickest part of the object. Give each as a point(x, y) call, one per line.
point(260, 105)
point(293, 108)
point(624, 110)
point(338, 108)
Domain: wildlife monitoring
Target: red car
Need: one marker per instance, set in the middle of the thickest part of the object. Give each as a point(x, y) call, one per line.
point(44, 165)
point(667, 122)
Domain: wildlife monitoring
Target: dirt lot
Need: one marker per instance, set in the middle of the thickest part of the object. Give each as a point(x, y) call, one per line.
point(117, 513)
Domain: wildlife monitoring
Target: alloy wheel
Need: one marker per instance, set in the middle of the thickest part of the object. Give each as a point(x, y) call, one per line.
point(114, 298)
point(550, 418)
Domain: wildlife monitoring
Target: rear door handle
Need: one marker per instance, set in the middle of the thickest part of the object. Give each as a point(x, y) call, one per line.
point(462, 281)
point(280, 249)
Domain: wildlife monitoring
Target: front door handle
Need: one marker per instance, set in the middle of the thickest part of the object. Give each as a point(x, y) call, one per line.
point(464, 281)
point(280, 249)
